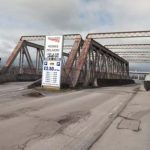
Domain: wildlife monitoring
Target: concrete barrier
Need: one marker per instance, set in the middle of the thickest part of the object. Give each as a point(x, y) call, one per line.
point(18, 77)
point(113, 82)
point(7, 78)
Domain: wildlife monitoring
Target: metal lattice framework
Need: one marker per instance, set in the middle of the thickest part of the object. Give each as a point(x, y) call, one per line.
point(129, 34)
point(86, 62)
point(122, 49)
point(26, 64)
point(95, 62)
point(42, 37)
point(128, 46)
point(23, 49)
point(132, 52)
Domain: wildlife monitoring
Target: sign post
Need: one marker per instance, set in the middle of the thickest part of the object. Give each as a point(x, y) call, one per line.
point(51, 75)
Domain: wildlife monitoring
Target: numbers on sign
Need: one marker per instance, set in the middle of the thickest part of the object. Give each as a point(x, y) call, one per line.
point(51, 68)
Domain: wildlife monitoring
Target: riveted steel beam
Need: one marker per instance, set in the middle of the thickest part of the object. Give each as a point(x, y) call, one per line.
point(72, 57)
point(128, 46)
point(98, 62)
point(106, 50)
point(131, 52)
point(138, 60)
point(128, 34)
point(42, 37)
point(81, 61)
point(40, 47)
point(13, 56)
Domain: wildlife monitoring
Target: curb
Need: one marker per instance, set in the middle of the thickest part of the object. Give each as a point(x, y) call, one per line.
point(97, 132)
point(83, 135)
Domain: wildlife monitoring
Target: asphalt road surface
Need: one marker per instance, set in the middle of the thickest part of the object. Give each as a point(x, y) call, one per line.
point(130, 130)
point(30, 122)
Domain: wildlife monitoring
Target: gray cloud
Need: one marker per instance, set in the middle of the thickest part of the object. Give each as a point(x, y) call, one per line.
point(53, 14)
point(27, 17)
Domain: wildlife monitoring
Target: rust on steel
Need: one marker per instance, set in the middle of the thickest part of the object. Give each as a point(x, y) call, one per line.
point(81, 61)
point(123, 47)
point(97, 62)
point(34, 45)
point(42, 37)
point(135, 55)
point(23, 51)
point(132, 52)
point(86, 62)
point(106, 50)
point(128, 34)
point(139, 60)
point(128, 46)
point(14, 53)
point(72, 56)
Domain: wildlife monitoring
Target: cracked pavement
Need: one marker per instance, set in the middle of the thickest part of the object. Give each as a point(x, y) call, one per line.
point(130, 130)
point(32, 123)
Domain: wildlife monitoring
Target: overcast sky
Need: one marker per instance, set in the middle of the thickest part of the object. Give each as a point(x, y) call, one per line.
point(29, 17)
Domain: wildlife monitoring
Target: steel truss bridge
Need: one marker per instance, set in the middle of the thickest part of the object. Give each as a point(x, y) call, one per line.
point(85, 62)
point(132, 52)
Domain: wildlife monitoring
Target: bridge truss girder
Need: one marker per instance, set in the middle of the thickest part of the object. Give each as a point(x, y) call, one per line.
point(86, 62)
point(97, 62)
point(132, 52)
point(128, 46)
point(22, 49)
point(128, 34)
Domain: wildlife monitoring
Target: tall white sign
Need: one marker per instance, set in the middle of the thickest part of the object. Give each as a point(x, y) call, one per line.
point(51, 76)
